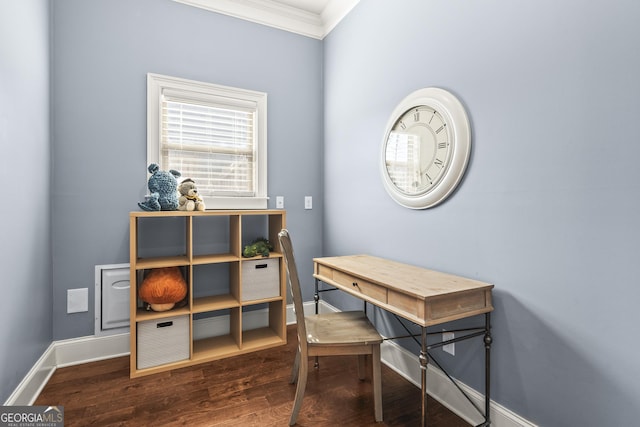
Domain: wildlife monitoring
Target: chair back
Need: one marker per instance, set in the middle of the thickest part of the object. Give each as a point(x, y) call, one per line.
point(294, 285)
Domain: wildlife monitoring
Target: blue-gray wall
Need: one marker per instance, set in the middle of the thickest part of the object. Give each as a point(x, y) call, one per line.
point(25, 316)
point(548, 210)
point(102, 51)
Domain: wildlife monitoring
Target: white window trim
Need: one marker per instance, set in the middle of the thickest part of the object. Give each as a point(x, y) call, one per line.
point(157, 84)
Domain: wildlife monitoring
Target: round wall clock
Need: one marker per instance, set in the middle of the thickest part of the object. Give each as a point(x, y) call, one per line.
point(426, 148)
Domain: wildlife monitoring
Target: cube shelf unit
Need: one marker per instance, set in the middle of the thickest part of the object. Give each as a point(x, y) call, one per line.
point(223, 319)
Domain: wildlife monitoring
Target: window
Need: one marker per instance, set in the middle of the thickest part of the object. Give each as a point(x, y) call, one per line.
point(213, 134)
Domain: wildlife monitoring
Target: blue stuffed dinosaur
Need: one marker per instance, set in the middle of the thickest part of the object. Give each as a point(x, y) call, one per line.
point(163, 189)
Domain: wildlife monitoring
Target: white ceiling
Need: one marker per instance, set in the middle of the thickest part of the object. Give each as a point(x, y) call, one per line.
point(311, 18)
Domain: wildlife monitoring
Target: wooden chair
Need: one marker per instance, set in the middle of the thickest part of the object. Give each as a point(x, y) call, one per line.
point(341, 333)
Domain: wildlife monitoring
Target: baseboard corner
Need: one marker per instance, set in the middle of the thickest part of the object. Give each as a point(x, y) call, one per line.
point(32, 384)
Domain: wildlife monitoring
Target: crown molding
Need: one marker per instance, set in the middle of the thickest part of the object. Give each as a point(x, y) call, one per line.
point(279, 15)
point(334, 12)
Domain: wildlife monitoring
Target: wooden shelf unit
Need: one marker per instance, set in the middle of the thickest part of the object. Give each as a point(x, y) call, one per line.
point(208, 250)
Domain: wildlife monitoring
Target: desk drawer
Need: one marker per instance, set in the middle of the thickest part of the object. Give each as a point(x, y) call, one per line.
point(360, 286)
point(456, 306)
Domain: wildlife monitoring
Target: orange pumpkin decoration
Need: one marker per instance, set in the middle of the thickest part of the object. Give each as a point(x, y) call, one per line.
point(162, 288)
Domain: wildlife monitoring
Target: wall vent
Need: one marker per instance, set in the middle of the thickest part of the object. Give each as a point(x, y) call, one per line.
point(112, 299)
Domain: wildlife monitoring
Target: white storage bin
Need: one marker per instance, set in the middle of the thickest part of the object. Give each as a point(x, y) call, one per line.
point(260, 279)
point(163, 341)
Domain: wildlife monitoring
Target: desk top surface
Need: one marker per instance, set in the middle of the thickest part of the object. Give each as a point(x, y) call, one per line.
point(412, 280)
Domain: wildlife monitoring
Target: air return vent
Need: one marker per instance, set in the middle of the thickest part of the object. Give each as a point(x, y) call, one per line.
point(112, 299)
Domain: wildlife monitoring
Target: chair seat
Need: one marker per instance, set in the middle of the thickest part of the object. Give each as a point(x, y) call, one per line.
point(341, 328)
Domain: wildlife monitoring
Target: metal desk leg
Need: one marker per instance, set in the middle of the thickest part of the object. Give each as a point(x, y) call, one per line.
point(487, 368)
point(316, 299)
point(316, 295)
point(424, 361)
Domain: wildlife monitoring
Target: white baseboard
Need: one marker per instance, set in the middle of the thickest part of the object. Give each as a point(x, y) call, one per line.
point(92, 348)
point(37, 377)
point(66, 353)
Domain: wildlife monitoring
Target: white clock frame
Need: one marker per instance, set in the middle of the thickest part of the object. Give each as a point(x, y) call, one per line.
point(458, 130)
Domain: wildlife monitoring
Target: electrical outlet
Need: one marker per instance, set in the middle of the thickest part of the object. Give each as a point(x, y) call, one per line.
point(279, 202)
point(449, 348)
point(308, 202)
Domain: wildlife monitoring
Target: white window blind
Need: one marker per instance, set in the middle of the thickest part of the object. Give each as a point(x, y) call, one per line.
point(213, 145)
point(215, 135)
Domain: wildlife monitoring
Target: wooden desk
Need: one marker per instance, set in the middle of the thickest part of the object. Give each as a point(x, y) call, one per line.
point(424, 297)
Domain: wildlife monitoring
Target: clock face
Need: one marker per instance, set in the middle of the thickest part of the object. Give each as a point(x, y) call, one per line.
point(418, 150)
point(426, 148)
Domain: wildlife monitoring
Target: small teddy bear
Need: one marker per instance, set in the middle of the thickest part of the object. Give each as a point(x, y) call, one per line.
point(162, 187)
point(189, 199)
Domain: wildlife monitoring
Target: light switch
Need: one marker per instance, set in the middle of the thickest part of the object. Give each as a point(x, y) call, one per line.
point(279, 202)
point(77, 300)
point(308, 202)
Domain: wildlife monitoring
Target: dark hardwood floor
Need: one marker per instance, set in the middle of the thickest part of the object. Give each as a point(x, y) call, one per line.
point(248, 390)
